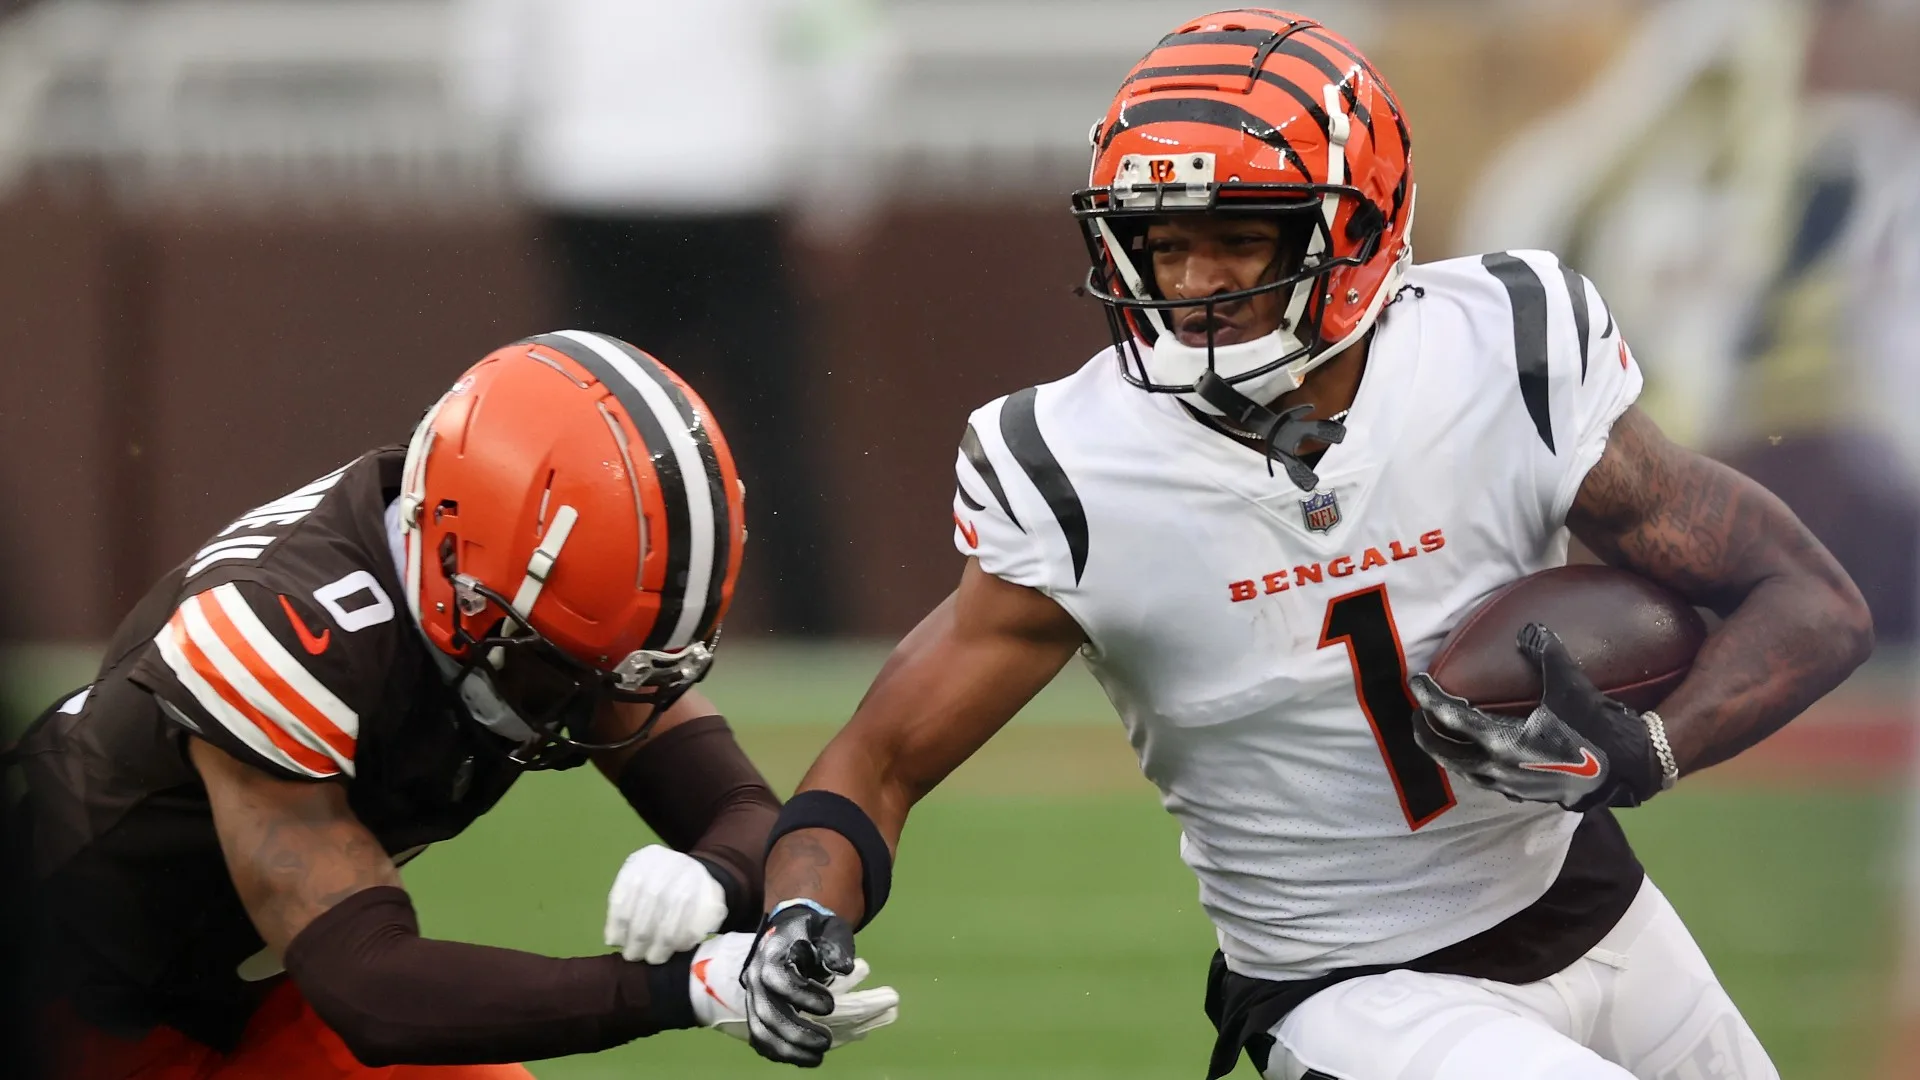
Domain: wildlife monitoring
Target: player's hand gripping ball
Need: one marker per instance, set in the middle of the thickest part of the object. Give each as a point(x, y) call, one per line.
point(1578, 747)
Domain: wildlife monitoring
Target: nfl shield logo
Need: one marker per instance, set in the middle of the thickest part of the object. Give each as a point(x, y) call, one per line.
point(1322, 511)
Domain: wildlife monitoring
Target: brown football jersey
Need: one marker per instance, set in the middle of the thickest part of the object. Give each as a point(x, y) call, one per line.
point(287, 642)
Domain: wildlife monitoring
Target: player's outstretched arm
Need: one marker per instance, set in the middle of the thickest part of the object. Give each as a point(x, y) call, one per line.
point(950, 684)
point(1794, 623)
point(690, 781)
point(326, 898)
point(948, 687)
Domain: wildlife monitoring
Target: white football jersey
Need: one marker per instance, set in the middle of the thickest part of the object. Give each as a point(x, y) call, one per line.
point(1256, 639)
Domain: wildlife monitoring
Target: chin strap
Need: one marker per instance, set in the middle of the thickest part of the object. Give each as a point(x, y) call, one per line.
point(1280, 433)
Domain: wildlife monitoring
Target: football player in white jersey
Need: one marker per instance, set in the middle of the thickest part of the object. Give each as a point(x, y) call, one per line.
point(1302, 462)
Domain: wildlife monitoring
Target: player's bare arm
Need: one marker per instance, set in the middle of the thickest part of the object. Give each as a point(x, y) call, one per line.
point(294, 850)
point(953, 682)
point(1795, 624)
point(326, 898)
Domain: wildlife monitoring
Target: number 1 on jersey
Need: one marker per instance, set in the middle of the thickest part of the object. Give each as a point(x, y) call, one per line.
point(1363, 622)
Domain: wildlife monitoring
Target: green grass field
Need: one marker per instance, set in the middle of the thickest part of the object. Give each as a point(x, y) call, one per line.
point(1042, 924)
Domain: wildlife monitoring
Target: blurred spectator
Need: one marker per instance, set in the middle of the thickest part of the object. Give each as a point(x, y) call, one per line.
point(1825, 387)
point(1759, 239)
point(662, 141)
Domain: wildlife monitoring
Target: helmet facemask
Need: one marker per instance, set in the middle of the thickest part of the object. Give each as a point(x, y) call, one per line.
point(1251, 110)
point(1114, 221)
point(556, 698)
point(1236, 382)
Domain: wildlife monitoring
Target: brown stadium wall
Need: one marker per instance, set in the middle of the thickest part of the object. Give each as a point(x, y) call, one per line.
point(165, 368)
point(169, 368)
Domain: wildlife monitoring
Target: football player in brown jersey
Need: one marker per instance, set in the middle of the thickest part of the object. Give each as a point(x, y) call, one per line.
point(361, 668)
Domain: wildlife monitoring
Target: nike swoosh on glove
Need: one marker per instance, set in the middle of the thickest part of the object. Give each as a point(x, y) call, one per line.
point(662, 903)
point(1578, 747)
point(720, 1001)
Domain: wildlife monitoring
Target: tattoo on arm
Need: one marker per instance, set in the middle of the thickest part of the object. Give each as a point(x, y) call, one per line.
point(1794, 626)
point(1691, 522)
point(804, 862)
point(805, 857)
point(294, 849)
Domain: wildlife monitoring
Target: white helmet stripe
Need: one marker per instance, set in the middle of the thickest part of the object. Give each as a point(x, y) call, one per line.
point(699, 492)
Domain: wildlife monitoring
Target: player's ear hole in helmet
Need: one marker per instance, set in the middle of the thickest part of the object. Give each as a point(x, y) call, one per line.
point(573, 523)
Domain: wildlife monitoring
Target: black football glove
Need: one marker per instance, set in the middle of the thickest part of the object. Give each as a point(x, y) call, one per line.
point(1578, 747)
point(801, 946)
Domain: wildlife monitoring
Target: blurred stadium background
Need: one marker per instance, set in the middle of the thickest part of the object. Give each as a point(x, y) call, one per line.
point(242, 240)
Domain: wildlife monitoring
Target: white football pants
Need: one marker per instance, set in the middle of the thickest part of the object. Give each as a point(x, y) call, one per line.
point(1641, 1004)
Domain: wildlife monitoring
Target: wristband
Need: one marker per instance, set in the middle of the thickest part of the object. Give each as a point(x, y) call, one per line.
point(837, 813)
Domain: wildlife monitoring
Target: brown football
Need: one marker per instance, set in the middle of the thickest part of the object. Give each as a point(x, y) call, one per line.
point(1635, 639)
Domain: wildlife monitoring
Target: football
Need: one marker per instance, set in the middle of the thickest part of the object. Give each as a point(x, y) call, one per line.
point(1635, 639)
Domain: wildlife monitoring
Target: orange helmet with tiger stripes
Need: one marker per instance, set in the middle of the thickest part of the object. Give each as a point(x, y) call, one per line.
point(570, 507)
point(1251, 111)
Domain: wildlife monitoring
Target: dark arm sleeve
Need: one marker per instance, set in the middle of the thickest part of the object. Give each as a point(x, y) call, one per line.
point(695, 787)
point(395, 997)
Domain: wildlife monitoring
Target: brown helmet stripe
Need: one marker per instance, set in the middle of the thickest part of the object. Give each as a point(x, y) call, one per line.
point(667, 472)
point(716, 482)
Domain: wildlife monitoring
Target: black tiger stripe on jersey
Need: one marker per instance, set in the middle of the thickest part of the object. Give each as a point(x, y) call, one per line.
point(716, 484)
point(1021, 429)
point(977, 457)
point(1577, 292)
point(666, 466)
point(1529, 298)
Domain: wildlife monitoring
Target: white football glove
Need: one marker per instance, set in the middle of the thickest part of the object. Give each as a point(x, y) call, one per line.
point(663, 902)
point(719, 1001)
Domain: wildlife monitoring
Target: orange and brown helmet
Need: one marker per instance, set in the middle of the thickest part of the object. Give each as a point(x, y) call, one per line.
point(573, 524)
point(1251, 111)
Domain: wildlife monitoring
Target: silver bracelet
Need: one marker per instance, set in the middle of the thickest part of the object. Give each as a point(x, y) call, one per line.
point(1657, 732)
